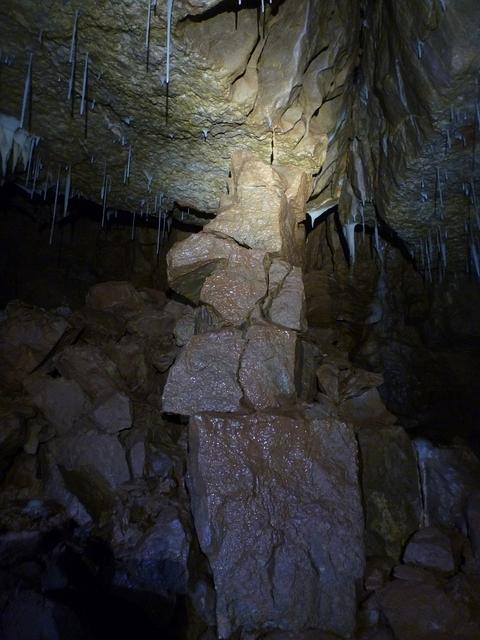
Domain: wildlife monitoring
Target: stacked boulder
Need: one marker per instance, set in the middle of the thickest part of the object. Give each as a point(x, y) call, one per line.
point(273, 481)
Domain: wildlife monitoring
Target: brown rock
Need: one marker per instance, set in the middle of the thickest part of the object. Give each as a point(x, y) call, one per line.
point(391, 491)
point(422, 611)
point(61, 401)
point(98, 376)
point(234, 291)
point(449, 475)
point(184, 328)
point(204, 376)
point(278, 513)
point(151, 323)
point(27, 336)
point(191, 261)
point(268, 366)
point(110, 295)
point(286, 306)
point(430, 548)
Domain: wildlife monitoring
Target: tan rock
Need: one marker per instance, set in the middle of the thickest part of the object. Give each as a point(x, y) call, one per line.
point(108, 295)
point(268, 366)
point(277, 509)
point(98, 376)
point(234, 291)
point(27, 336)
point(191, 261)
point(204, 376)
point(256, 214)
point(287, 305)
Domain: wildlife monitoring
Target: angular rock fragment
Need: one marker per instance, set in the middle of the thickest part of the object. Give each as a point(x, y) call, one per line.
point(391, 489)
point(61, 401)
point(286, 305)
point(110, 295)
point(268, 366)
point(256, 213)
point(233, 292)
point(190, 262)
point(98, 376)
point(448, 476)
point(278, 513)
point(204, 376)
point(430, 548)
point(27, 336)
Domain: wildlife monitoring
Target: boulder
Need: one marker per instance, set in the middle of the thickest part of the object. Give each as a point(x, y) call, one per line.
point(13, 433)
point(61, 401)
point(268, 366)
point(422, 611)
point(473, 523)
point(448, 475)
point(93, 465)
point(391, 492)
point(234, 291)
point(98, 376)
point(27, 336)
point(158, 560)
point(431, 549)
point(151, 322)
point(256, 212)
point(191, 261)
point(204, 376)
point(184, 328)
point(112, 295)
point(286, 297)
point(278, 513)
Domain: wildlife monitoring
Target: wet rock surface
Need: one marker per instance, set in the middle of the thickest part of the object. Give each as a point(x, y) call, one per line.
point(282, 493)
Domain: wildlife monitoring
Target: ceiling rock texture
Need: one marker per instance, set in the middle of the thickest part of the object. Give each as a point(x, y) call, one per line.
point(240, 342)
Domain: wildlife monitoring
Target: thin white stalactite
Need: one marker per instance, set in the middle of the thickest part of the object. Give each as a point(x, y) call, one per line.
point(132, 235)
point(54, 214)
point(68, 186)
point(26, 91)
point(169, 38)
point(73, 43)
point(84, 86)
point(349, 231)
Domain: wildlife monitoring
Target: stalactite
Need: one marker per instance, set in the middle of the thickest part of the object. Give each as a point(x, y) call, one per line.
point(68, 185)
point(349, 232)
point(26, 91)
point(54, 214)
point(169, 38)
point(84, 86)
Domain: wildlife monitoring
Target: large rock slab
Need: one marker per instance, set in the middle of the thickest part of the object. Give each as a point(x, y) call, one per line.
point(256, 213)
point(234, 291)
point(204, 376)
point(391, 489)
point(268, 366)
point(278, 513)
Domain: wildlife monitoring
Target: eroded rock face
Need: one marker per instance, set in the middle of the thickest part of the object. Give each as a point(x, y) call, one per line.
point(277, 510)
point(256, 213)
